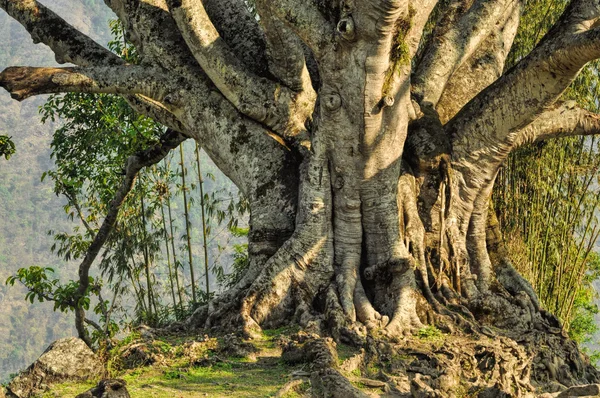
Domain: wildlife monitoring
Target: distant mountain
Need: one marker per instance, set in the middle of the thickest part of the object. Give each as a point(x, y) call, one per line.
point(28, 208)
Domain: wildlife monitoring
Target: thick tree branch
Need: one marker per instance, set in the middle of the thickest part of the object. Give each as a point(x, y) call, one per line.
point(482, 68)
point(264, 101)
point(150, 27)
point(67, 43)
point(23, 82)
point(285, 52)
point(422, 10)
point(563, 120)
point(240, 147)
point(240, 30)
point(482, 129)
point(305, 19)
point(453, 42)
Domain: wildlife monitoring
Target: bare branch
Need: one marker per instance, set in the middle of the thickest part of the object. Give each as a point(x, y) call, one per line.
point(67, 43)
point(421, 9)
point(23, 81)
point(264, 101)
point(155, 111)
point(95, 326)
point(285, 52)
point(483, 128)
point(485, 65)
point(563, 120)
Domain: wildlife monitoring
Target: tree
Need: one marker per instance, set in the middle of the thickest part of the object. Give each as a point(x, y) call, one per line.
point(366, 135)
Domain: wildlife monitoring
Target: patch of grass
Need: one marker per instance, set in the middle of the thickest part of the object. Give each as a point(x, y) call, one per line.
point(345, 351)
point(163, 347)
point(373, 369)
point(272, 333)
point(173, 377)
point(69, 389)
point(430, 333)
point(174, 374)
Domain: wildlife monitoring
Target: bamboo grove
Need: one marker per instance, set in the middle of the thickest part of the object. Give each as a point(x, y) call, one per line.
point(547, 201)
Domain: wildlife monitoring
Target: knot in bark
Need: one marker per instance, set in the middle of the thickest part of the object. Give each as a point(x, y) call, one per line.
point(387, 101)
point(398, 266)
point(345, 28)
point(332, 101)
point(172, 99)
point(369, 273)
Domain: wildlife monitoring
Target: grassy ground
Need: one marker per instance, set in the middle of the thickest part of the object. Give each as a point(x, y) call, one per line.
point(261, 375)
point(197, 366)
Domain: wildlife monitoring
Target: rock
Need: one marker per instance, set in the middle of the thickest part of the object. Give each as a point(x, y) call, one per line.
point(234, 346)
point(145, 332)
point(64, 360)
point(319, 352)
point(136, 355)
point(109, 388)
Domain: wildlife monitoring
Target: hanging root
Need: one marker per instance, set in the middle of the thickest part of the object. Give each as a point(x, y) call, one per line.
point(447, 305)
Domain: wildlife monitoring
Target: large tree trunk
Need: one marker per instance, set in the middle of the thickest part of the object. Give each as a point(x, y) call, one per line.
point(368, 163)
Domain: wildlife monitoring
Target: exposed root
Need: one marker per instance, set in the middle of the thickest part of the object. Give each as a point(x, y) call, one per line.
point(365, 312)
point(326, 380)
point(405, 319)
point(288, 387)
point(347, 276)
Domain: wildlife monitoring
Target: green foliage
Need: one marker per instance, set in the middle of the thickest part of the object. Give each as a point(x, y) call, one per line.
point(96, 136)
point(240, 261)
point(41, 287)
point(583, 325)
point(119, 45)
point(7, 147)
point(430, 333)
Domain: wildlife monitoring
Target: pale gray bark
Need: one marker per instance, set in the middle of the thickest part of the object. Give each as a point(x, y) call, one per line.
point(239, 28)
point(24, 82)
point(454, 41)
point(264, 101)
point(482, 67)
point(67, 43)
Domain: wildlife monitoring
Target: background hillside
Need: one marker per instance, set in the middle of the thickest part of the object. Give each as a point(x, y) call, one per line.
point(27, 206)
